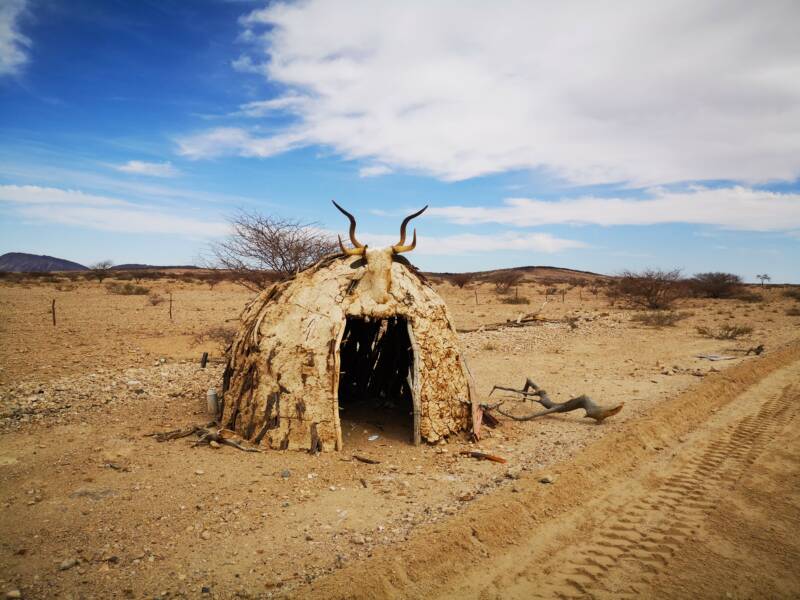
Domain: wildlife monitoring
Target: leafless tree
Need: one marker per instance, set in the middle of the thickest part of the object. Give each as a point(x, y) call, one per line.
point(263, 248)
point(505, 280)
point(764, 277)
point(650, 288)
point(101, 270)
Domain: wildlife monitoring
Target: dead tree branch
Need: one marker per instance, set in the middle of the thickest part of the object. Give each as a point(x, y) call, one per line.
point(205, 435)
point(532, 390)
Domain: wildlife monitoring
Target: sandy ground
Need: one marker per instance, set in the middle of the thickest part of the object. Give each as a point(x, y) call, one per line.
point(94, 509)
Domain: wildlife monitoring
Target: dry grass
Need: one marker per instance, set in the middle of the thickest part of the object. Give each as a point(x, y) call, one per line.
point(725, 332)
point(660, 318)
point(515, 300)
point(127, 289)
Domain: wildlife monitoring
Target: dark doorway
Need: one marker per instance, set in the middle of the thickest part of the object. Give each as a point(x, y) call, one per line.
point(375, 387)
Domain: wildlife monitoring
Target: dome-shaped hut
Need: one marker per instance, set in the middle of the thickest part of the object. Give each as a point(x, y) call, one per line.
point(359, 330)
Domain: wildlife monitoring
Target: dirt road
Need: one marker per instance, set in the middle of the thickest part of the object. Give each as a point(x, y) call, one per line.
point(673, 513)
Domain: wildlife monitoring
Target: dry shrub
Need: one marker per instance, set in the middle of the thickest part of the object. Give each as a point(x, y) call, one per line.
point(460, 279)
point(746, 295)
point(655, 289)
point(793, 293)
point(725, 332)
point(221, 334)
point(660, 318)
point(716, 285)
point(127, 289)
point(154, 299)
point(515, 300)
point(572, 322)
point(66, 287)
point(505, 280)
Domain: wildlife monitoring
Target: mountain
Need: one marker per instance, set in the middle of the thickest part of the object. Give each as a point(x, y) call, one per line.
point(20, 262)
point(538, 272)
point(138, 267)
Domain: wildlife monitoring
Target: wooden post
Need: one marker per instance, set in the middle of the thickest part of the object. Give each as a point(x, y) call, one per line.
point(53, 310)
point(203, 360)
point(415, 383)
point(170, 306)
point(476, 296)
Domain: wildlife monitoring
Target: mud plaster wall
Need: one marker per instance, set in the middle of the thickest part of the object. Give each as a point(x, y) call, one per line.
point(282, 375)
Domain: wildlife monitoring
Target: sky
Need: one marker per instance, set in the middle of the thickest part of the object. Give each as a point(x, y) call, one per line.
point(595, 136)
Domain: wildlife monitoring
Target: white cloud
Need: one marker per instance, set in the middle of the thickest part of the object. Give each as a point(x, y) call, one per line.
point(234, 140)
point(374, 171)
point(262, 108)
point(647, 93)
point(139, 167)
point(76, 208)
point(731, 208)
point(469, 243)
point(13, 44)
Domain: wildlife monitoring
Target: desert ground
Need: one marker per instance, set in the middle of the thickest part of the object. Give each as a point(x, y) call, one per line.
point(693, 490)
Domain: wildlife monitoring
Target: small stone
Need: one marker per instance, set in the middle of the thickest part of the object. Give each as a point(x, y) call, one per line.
point(199, 472)
point(205, 590)
point(206, 535)
point(358, 539)
point(286, 473)
point(13, 594)
point(309, 537)
point(214, 444)
point(67, 564)
point(547, 479)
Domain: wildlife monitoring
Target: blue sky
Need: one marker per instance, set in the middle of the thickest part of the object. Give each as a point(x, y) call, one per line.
point(577, 136)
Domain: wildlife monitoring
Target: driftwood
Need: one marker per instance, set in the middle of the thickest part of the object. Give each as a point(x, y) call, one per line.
point(364, 459)
point(757, 350)
point(483, 456)
point(206, 435)
point(532, 390)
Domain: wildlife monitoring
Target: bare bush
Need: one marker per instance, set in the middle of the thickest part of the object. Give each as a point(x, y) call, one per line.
point(793, 293)
point(263, 248)
point(716, 285)
point(460, 279)
point(651, 288)
point(660, 318)
point(223, 335)
point(127, 289)
point(505, 280)
point(154, 299)
point(515, 300)
point(725, 332)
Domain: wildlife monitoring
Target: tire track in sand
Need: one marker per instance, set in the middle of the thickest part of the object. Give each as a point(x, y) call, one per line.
point(631, 547)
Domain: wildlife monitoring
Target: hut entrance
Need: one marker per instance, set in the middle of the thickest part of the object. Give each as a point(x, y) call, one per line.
point(376, 379)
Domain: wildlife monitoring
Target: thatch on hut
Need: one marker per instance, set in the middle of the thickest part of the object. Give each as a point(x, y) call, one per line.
point(359, 331)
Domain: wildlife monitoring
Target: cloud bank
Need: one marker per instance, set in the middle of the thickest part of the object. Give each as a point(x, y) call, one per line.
point(731, 208)
point(76, 208)
point(644, 93)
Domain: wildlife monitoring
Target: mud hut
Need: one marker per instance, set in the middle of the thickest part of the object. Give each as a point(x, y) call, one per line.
point(359, 336)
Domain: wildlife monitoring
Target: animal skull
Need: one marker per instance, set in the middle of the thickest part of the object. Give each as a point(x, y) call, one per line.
point(378, 279)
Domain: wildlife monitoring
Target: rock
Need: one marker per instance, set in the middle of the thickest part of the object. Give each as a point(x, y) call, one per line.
point(206, 535)
point(199, 472)
point(214, 444)
point(13, 594)
point(547, 479)
point(286, 473)
point(358, 539)
point(67, 564)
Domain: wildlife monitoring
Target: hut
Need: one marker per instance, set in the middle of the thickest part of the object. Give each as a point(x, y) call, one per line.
point(359, 333)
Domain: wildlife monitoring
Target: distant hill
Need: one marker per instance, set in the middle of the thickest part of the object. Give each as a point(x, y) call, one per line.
point(137, 267)
point(20, 262)
point(537, 272)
